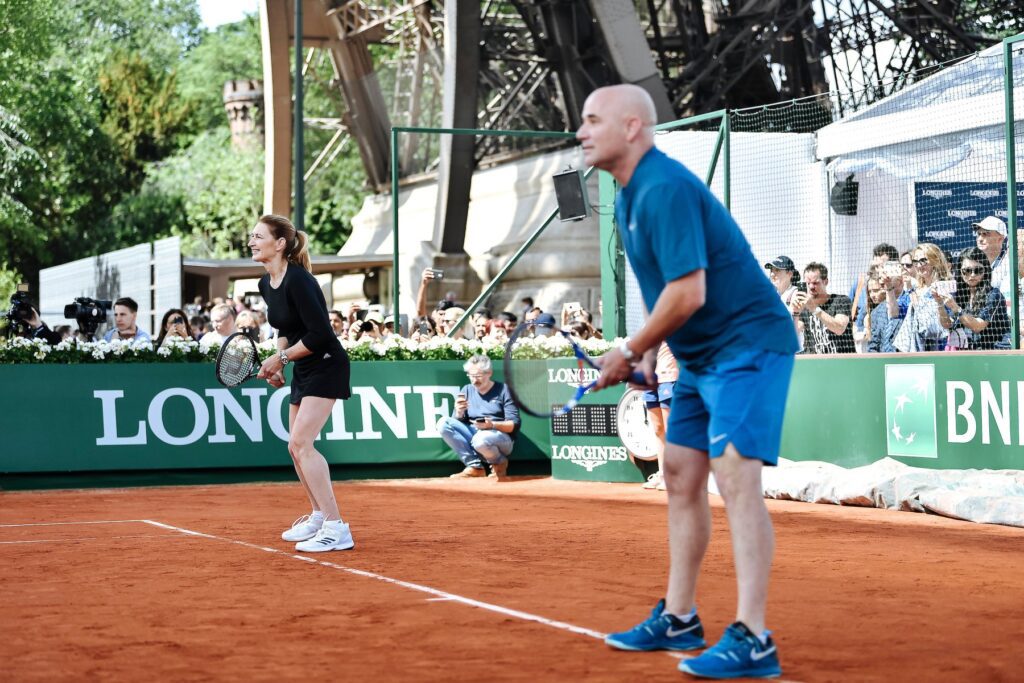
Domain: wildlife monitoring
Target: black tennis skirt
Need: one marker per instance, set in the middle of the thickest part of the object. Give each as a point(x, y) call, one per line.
point(323, 377)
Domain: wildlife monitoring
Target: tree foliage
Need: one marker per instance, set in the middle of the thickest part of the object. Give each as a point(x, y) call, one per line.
point(113, 132)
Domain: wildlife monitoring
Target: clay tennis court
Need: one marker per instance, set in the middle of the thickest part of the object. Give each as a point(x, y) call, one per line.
point(475, 581)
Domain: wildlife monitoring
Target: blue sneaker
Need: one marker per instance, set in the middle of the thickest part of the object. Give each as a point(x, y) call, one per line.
point(660, 632)
point(739, 654)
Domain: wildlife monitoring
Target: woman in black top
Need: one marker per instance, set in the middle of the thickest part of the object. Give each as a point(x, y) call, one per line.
point(297, 309)
point(975, 314)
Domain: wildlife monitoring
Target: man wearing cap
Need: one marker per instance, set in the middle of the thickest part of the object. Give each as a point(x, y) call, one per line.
point(783, 275)
point(546, 324)
point(990, 235)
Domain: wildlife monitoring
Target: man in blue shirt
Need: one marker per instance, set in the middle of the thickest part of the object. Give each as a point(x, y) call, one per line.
point(484, 424)
point(125, 329)
point(734, 341)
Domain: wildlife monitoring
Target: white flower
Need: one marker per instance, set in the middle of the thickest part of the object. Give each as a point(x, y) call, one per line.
point(40, 355)
point(164, 350)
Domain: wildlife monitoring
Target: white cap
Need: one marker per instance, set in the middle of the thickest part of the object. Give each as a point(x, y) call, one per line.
point(992, 224)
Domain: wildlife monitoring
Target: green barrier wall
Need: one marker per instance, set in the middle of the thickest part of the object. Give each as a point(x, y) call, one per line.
point(943, 410)
point(75, 418)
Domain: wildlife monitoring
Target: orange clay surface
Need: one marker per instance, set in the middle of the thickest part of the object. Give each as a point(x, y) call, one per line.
point(856, 595)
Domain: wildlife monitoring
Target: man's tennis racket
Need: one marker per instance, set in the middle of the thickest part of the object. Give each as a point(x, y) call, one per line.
point(527, 380)
point(238, 360)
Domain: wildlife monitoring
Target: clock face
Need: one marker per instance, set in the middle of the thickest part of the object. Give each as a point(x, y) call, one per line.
point(635, 430)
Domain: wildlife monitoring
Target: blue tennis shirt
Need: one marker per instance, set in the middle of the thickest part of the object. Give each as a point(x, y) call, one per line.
point(672, 225)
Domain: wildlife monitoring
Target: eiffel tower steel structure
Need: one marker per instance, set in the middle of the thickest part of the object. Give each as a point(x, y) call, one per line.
point(529, 64)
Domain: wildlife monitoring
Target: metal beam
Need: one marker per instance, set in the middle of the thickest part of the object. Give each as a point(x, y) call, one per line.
point(458, 110)
point(277, 186)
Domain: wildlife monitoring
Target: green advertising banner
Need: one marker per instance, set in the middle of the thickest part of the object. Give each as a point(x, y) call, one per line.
point(940, 410)
point(68, 418)
point(585, 444)
point(944, 411)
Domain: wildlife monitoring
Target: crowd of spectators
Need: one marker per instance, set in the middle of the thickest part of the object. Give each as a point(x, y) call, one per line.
point(924, 299)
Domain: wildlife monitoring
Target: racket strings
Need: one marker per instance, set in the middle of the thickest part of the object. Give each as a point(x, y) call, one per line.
point(236, 363)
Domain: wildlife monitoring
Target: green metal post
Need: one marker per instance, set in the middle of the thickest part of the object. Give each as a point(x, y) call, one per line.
point(727, 129)
point(710, 175)
point(394, 231)
point(1011, 190)
point(613, 313)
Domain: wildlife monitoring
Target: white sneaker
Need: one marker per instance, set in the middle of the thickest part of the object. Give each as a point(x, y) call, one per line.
point(653, 481)
point(331, 536)
point(305, 527)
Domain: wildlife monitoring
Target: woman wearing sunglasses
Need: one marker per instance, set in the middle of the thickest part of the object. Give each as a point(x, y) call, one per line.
point(921, 329)
point(976, 314)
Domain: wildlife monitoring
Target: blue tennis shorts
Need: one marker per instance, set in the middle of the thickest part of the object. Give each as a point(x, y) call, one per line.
point(662, 398)
point(740, 401)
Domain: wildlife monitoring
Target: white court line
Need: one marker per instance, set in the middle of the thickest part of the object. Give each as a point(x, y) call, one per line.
point(100, 521)
point(440, 594)
point(76, 540)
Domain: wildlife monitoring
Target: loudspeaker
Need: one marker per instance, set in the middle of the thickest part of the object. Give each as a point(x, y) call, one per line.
point(571, 195)
point(843, 198)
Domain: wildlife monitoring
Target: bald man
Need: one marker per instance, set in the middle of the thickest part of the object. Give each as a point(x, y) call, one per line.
point(734, 342)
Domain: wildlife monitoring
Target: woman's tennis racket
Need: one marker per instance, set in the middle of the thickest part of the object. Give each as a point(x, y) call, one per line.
point(238, 360)
point(527, 379)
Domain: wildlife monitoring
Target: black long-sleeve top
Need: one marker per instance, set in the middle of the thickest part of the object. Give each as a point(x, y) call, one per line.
point(298, 310)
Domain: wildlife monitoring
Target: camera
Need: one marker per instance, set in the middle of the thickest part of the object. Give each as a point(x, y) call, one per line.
point(436, 273)
point(88, 313)
point(20, 311)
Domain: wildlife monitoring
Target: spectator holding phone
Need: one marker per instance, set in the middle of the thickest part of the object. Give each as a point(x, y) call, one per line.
point(174, 325)
point(429, 276)
point(484, 424)
point(975, 314)
point(921, 329)
point(824, 317)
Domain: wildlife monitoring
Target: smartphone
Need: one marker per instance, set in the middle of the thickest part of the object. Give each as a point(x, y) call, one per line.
point(436, 273)
point(801, 287)
point(947, 287)
point(424, 328)
point(891, 269)
point(479, 420)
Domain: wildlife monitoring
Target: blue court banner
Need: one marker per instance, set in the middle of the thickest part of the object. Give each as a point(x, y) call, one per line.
point(946, 211)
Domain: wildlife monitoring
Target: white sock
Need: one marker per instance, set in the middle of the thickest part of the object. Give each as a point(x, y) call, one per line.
point(688, 616)
point(335, 523)
point(764, 637)
point(316, 516)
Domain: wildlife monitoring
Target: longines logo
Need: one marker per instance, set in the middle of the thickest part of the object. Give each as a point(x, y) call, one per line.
point(223, 416)
point(574, 377)
point(589, 457)
point(938, 194)
point(961, 213)
point(985, 194)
